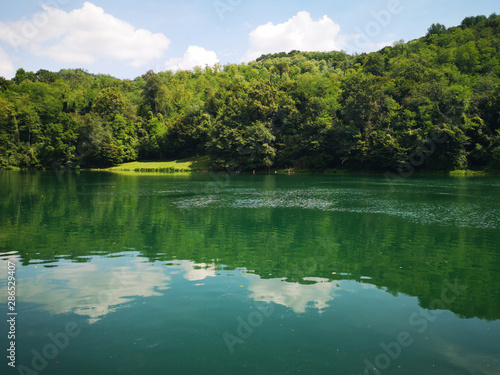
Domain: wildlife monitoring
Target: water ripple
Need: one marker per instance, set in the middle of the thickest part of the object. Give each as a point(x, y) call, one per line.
point(443, 212)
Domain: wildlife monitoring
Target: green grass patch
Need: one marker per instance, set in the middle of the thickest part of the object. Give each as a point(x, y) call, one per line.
point(467, 172)
point(174, 166)
point(10, 168)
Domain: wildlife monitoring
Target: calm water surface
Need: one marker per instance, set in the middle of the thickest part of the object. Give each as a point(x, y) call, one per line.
point(200, 274)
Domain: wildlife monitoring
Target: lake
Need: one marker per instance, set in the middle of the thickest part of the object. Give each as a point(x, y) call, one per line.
point(250, 274)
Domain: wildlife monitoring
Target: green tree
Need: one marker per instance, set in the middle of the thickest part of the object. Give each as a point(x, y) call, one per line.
point(109, 103)
point(436, 28)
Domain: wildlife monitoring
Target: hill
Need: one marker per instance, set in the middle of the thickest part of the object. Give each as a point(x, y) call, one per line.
point(431, 103)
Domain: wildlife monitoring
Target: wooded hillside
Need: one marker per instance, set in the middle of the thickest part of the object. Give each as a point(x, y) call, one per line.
point(308, 110)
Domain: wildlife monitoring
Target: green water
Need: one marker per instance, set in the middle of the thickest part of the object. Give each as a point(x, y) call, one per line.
point(255, 274)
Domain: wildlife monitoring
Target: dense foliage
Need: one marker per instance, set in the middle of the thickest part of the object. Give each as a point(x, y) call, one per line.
point(307, 110)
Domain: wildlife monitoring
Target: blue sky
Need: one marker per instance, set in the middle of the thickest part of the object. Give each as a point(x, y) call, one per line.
point(128, 37)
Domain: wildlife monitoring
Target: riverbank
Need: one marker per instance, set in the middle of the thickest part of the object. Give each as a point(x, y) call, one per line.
point(174, 166)
point(203, 165)
point(192, 165)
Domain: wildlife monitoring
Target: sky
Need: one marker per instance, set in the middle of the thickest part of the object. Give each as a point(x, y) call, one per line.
point(127, 38)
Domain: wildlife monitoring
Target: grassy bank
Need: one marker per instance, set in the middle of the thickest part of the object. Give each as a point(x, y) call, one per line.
point(174, 166)
point(468, 172)
point(202, 165)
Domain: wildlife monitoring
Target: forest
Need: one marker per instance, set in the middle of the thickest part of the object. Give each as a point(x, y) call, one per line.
point(302, 110)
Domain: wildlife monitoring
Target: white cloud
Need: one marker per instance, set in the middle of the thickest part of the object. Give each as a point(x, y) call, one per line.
point(197, 272)
point(84, 36)
point(300, 32)
point(59, 290)
point(296, 296)
point(194, 56)
point(7, 69)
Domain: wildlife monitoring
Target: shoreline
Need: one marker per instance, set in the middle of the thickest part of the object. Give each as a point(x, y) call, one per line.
point(162, 170)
